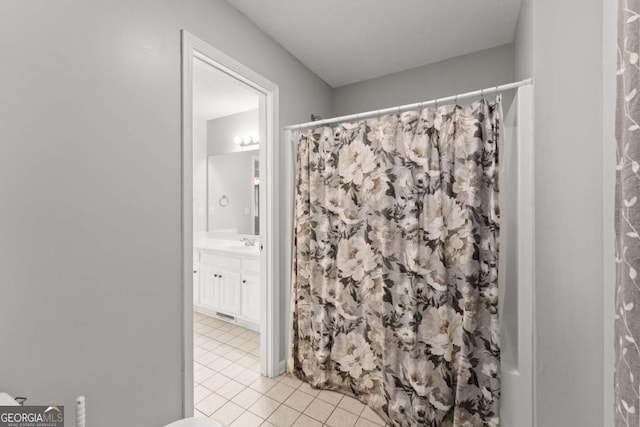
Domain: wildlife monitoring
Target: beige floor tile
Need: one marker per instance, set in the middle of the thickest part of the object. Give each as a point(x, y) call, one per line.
point(247, 360)
point(233, 370)
point(263, 384)
point(198, 352)
point(211, 345)
point(247, 376)
point(203, 374)
point(199, 339)
point(249, 346)
point(280, 392)
point(319, 410)
point(221, 349)
point(298, 400)
point(216, 381)
point(264, 407)
point(370, 415)
point(267, 424)
point(329, 396)
point(306, 421)
point(222, 363)
point(236, 355)
point(341, 418)
point(209, 359)
point(215, 333)
point(203, 328)
point(363, 422)
point(247, 419)
point(210, 404)
point(352, 405)
point(305, 387)
point(235, 342)
point(228, 413)
point(283, 416)
point(199, 414)
point(230, 389)
point(247, 334)
point(246, 397)
point(237, 330)
point(227, 327)
point(291, 381)
point(200, 392)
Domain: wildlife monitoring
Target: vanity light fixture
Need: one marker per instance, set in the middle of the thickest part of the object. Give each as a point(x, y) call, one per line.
point(246, 141)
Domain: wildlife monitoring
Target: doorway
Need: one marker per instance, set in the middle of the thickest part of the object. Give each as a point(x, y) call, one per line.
point(229, 229)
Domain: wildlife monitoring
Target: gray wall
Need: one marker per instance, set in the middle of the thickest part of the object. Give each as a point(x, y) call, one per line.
point(90, 212)
point(457, 75)
point(568, 76)
point(221, 131)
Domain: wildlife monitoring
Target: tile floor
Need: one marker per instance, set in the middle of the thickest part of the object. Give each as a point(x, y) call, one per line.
point(228, 385)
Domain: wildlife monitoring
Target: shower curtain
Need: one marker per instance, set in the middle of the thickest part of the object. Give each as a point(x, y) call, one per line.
point(627, 219)
point(395, 264)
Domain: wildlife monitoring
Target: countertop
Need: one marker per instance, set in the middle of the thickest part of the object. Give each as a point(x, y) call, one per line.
point(228, 246)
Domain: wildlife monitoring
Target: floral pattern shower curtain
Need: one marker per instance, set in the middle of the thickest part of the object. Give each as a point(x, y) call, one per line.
point(627, 219)
point(395, 269)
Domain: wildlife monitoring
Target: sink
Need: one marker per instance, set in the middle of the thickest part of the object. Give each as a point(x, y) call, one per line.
point(239, 246)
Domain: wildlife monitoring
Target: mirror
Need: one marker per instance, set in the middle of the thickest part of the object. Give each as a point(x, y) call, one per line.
point(234, 183)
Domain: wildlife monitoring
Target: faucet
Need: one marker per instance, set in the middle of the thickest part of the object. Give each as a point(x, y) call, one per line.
point(248, 242)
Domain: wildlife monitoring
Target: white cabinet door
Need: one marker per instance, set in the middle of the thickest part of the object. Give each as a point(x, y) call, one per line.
point(209, 287)
point(251, 296)
point(196, 284)
point(196, 277)
point(230, 292)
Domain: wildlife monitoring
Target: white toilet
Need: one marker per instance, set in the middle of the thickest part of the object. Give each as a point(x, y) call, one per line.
point(197, 422)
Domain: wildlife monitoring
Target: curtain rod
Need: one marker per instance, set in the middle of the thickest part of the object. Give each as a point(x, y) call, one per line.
point(374, 113)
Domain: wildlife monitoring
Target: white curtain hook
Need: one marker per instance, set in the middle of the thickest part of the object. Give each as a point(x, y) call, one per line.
point(436, 103)
point(455, 100)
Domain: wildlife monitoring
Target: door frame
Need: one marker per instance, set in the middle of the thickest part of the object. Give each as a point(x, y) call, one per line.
point(268, 92)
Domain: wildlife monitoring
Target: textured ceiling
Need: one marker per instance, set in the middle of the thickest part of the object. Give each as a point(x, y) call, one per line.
point(346, 41)
point(215, 94)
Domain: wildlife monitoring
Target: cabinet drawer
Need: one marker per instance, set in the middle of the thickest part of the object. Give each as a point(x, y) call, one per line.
point(251, 264)
point(220, 260)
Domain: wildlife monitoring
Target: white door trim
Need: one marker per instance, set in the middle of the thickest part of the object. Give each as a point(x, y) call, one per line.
point(269, 237)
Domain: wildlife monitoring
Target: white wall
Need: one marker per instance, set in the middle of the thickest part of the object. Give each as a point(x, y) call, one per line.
point(199, 175)
point(457, 75)
point(90, 212)
point(221, 131)
point(569, 211)
point(231, 175)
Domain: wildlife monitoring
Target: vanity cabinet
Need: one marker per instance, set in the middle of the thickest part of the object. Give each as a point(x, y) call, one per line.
point(251, 296)
point(228, 285)
point(230, 291)
point(209, 287)
point(196, 278)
